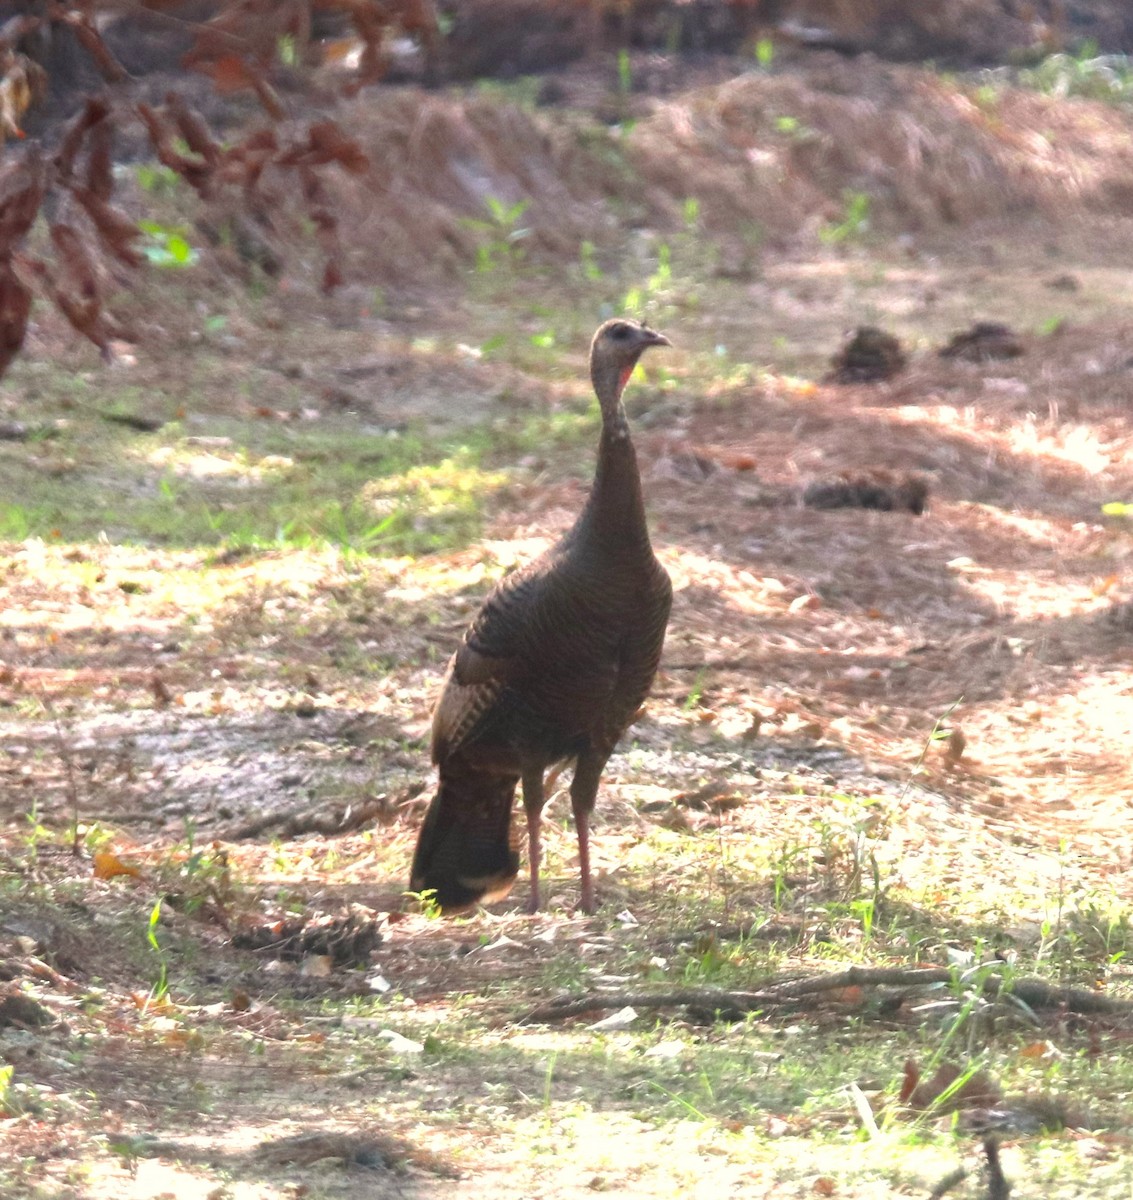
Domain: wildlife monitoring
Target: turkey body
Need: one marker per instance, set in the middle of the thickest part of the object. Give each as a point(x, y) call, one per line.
point(552, 670)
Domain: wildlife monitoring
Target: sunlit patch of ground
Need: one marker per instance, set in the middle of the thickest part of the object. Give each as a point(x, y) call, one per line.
point(875, 739)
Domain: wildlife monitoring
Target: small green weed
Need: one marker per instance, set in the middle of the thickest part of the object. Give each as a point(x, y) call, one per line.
point(167, 246)
point(426, 901)
point(522, 92)
point(1086, 73)
point(157, 179)
point(588, 262)
point(854, 222)
point(625, 73)
point(501, 235)
point(160, 988)
point(7, 1106)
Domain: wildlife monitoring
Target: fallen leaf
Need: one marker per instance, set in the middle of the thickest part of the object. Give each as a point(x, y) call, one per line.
point(107, 865)
point(622, 1019)
point(976, 1091)
point(853, 996)
point(666, 1050)
point(399, 1044)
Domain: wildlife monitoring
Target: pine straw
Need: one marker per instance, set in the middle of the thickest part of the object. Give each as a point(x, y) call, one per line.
point(872, 625)
point(919, 144)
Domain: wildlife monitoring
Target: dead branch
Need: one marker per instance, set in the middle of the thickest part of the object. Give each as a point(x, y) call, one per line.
point(1035, 993)
point(323, 819)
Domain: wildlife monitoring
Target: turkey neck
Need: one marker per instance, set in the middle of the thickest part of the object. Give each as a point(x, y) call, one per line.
point(614, 514)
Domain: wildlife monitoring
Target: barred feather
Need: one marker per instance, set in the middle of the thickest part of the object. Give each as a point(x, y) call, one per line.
point(553, 668)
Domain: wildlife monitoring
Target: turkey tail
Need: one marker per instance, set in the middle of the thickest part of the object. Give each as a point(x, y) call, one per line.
point(464, 852)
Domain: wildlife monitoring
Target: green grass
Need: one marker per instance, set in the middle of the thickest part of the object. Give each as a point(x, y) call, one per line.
point(801, 878)
point(355, 491)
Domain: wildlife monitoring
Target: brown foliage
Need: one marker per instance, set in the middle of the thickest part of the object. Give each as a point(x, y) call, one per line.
point(117, 231)
point(944, 1091)
point(237, 49)
point(22, 185)
point(326, 143)
point(91, 41)
point(15, 304)
point(195, 171)
point(74, 285)
point(93, 113)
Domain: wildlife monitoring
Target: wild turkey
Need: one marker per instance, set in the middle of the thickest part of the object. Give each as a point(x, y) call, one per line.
point(554, 668)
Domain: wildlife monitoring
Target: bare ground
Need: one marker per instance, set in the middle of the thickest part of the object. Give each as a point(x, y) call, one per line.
point(250, 732)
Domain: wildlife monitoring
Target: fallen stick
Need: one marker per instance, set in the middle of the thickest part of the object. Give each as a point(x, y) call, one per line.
point(1035, 993)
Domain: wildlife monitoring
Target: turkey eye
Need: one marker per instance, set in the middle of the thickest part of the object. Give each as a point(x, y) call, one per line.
point(621, 332)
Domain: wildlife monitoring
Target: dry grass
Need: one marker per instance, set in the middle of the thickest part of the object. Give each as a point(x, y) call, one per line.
point(781, 809)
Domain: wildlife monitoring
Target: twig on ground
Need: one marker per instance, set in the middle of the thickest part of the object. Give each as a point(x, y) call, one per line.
point(322, 819)
point(1036, 993)
point(68, 761)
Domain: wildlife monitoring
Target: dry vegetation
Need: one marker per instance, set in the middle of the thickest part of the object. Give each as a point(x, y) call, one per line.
point(236, 560)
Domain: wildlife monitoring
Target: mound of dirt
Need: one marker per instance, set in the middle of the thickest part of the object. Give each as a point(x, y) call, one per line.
point(516, 37)
point(772, 160)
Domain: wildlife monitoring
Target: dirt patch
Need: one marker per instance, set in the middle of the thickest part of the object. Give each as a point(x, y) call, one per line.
point(770, 158)
point(876, 737)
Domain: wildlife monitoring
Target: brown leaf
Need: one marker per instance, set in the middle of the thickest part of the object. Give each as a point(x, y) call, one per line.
point(116, 229)
point(854, 997)
point(326, 143)
point(92, 113)
point(332, 277)
point(192, 168)
point(91, 41)
point(192, 127)
point(108, 865)
point(229, 73)
point(909, 1081)
point(739, 461)
point(244, 162)
point(22, 185)
point(100, 160)
point(232, 73)
point(75, 291)
point(15, 305)
point(977, 1091)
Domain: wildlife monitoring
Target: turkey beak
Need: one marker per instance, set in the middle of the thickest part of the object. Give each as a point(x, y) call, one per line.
point(652, 338)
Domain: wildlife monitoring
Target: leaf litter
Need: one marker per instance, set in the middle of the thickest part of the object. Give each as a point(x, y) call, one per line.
point(816, 718)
